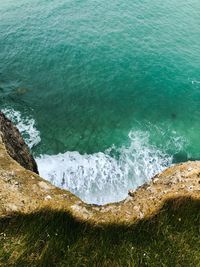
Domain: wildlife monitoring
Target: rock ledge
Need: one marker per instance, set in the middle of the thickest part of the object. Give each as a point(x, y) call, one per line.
point(23, 190)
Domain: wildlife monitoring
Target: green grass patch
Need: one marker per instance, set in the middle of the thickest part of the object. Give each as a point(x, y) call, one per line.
point(49, 238)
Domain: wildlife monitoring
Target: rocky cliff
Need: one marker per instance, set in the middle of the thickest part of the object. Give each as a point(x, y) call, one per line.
point(15, 144)
point(23, 190)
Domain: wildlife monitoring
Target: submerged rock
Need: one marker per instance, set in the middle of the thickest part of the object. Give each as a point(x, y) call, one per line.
point(15, 144)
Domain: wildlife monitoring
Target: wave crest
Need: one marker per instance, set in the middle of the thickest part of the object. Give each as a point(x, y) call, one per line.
point(101, 177)
point(26, 126)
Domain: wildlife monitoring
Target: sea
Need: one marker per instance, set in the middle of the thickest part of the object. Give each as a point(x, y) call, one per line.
point(105, 93)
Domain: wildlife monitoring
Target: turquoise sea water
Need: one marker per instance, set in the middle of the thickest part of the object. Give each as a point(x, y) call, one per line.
point(106, 94)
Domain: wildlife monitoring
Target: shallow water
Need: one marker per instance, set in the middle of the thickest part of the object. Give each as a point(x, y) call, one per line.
point(106, 95)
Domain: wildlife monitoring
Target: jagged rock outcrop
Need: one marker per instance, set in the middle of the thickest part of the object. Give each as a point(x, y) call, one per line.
point(15, 144)
point(25, 192)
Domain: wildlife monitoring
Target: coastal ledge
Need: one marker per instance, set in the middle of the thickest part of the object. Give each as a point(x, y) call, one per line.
point(23, 191)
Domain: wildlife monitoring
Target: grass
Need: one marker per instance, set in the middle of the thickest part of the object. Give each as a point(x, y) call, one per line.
point(49, 238)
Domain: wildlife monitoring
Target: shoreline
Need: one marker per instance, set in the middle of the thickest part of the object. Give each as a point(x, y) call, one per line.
point(26, 192)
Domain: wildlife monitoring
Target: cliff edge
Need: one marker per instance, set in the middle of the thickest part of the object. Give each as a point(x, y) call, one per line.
point(23, 190)
point(15, 144)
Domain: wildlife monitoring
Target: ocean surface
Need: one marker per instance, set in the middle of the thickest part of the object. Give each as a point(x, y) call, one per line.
point(105, 93)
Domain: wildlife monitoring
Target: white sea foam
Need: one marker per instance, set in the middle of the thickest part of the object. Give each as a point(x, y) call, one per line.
point(101, 178)
point(26, 126)
point(195, 81)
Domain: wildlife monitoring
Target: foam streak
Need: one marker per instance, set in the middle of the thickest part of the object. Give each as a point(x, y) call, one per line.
point(26, 126)
point(101, 178)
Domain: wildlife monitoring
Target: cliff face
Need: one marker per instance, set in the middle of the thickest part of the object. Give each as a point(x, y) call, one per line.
point(22, 190)
point(15, 144)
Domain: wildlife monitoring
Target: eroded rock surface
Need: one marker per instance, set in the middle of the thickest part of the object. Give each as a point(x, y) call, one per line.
point(25, 192)
point(15, 144)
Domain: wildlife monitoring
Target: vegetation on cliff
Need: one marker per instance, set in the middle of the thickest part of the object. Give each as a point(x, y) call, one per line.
point(49, 238)
point(41, 225)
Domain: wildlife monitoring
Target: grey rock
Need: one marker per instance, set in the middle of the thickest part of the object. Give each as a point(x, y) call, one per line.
point(15, 144)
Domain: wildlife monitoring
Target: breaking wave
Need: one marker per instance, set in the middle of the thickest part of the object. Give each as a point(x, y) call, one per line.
point(106, 177)
point(26, 126)
point(101, 177)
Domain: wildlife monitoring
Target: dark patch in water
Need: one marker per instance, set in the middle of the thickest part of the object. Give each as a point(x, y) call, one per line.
point(173, 115)
point(180, 157)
